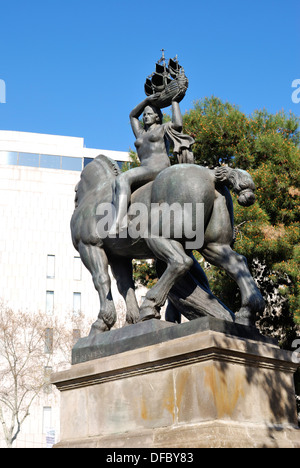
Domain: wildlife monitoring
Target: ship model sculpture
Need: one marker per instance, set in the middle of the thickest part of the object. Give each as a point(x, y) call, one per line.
point(167, 80)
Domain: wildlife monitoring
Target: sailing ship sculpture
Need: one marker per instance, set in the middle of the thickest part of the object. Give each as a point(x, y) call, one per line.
point(169, 81)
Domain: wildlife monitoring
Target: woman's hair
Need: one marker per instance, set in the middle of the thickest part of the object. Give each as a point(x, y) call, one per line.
point(159, 113)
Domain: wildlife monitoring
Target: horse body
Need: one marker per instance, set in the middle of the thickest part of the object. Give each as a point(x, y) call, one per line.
point(180, 184)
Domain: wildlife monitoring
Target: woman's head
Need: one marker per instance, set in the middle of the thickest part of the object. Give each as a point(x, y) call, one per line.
point(152, 115)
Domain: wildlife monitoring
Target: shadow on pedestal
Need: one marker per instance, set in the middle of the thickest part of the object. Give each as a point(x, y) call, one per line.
point(205, 383)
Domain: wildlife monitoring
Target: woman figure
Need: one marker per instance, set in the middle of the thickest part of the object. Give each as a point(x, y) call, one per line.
point(152, 149)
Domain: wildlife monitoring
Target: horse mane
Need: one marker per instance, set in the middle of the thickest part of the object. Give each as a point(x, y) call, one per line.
point(94, 174)
point(110, 164)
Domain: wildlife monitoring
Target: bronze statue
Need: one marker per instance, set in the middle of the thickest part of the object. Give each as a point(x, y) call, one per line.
point(153, 136)
point(155, 183)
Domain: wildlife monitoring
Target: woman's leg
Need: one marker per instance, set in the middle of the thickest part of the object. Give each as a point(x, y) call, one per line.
point(137, 176)
point(121, 200)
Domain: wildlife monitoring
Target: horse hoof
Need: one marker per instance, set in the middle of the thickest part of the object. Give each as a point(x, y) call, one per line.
point(98, 327)
point(131, 322)
point(148, 313)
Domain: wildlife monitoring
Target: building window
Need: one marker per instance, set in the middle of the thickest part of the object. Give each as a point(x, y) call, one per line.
point(76, 303)
point(50, 266)
point(49, 302)
point(9, 157)
point(46, 161)
point(29, 159)
point(47, 382)
point(50, 161)
point(77, 268)
point(47, 419)
point(71, 164)
point(120, 164)
point(87, 161)
point(48, 340)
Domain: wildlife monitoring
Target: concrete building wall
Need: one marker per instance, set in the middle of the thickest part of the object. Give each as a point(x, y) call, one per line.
point(36, 205)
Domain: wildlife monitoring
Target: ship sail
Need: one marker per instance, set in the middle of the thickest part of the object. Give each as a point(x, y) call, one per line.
point(174, 67)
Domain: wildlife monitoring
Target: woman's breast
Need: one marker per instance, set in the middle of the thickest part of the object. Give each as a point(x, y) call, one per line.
point(138, 142)
point(149, 137)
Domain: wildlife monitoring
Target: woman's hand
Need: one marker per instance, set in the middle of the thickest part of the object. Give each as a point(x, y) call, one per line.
point(178, 96)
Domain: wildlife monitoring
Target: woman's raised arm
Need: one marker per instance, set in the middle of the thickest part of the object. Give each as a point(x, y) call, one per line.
point(134, 117)
point(176, 116)
point(137, 111)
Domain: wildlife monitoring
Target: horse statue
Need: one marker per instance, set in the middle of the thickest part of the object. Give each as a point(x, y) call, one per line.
point(181, 279)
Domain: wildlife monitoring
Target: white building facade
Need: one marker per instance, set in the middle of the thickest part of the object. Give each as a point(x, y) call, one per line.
point(39, 268)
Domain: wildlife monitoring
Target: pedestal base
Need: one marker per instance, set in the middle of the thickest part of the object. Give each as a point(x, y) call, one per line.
point(204, 389)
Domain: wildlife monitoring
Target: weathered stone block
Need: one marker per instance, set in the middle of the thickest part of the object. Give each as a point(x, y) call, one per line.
point(203, 389)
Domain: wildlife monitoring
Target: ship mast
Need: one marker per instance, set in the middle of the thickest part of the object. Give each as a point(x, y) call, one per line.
point(163, 60)
point(165, 73)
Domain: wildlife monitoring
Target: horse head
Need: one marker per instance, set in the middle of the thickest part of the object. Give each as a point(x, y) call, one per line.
point(240, 181)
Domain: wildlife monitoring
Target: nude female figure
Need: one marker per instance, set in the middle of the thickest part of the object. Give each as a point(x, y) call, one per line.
point(152, 150)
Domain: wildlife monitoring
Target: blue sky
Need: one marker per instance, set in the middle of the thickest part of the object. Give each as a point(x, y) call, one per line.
point(77, 67)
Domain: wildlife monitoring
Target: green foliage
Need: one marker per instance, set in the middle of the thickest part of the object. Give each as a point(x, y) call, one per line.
point(225, 135)
point(144, 273)
point(134, 161)
point(218, 129)
point(267, 146)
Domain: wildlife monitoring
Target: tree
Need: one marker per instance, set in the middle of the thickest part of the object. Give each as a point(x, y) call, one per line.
point(134, 161)
point(27, 345)
point(268, 233)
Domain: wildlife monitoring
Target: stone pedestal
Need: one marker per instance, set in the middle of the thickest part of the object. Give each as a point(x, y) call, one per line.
point(198, 384)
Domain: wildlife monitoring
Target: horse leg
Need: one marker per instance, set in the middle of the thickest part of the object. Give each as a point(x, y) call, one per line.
point(95, 259)
point(192, 297)
point(235, 265)
point(122, 271)
point(178, 264)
